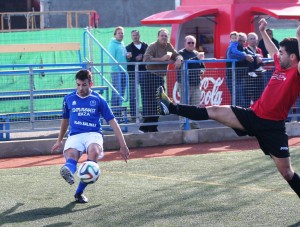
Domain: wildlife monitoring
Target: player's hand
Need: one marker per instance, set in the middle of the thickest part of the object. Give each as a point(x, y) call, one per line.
point(57, 146)
point(262, 24)
point(124, 153)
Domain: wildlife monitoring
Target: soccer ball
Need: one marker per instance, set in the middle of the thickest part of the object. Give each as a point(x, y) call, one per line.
point(88, 172)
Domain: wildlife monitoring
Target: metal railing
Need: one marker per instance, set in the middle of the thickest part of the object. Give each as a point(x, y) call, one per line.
point(88, 41)
point(214, 91)
point(71, 19)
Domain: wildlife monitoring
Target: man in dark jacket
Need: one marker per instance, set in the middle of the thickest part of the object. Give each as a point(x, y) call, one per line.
point(195, 70)
point(137, 50)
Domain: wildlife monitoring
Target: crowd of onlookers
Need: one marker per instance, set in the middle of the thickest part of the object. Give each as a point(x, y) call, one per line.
point(250, 80)
point(248, 51)
point(152, 76)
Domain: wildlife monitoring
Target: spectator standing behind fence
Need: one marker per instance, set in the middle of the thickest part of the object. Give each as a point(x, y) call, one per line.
point(254, 86)
point(241, 54)
point(265, 119)
point(117, 50)
point(81, 113)
point(195, 70)
point(159, 51)
point(262, 46)
point(137, 50)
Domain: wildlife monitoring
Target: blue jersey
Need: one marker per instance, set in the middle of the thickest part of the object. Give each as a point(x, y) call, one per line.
point(84, 112)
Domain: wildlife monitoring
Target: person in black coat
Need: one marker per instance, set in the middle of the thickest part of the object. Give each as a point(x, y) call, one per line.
point(195, 71)
point(137, 50)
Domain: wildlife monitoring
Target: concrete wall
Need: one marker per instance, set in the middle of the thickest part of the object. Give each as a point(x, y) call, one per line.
point(33, 147)
point(112, 13)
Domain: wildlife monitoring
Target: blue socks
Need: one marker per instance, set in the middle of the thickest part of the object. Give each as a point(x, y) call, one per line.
point(72, 165)
point(81, 185)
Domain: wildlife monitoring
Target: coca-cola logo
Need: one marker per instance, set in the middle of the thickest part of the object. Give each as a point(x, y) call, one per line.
point(210, 93)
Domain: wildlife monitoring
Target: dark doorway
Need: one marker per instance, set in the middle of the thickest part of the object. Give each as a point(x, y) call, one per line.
point(18, 21)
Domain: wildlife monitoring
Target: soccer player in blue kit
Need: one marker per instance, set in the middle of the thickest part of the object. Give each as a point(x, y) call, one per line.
point(81, 114)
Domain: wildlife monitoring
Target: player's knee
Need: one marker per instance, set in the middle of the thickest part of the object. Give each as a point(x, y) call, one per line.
point(213, 111)
point(286, 173)
point(94, 151)
point(71, 153)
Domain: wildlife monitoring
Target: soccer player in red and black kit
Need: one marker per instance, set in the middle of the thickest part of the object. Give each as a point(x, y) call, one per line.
point(265, 119)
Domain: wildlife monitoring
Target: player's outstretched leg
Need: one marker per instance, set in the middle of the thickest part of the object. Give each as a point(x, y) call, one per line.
point(163, 101)
point(67, 175)
point(79, 196)
point(67, 171)
point(165, 106)
point(295, 183)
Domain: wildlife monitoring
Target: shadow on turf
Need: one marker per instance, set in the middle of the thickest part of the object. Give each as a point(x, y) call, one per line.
point(8, 217)
point(295, 225)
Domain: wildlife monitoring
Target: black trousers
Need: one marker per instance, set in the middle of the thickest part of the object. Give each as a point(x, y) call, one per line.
point(149, 83)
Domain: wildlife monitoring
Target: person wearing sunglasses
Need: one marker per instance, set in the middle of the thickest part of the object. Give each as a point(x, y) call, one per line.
point(194, 73)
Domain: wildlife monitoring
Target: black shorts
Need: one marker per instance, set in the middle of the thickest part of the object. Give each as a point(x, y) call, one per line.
point(271, 135)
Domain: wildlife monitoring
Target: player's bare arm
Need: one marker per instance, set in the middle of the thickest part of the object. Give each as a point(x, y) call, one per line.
point(63, 129)
point(270, 46)
point(123, 146)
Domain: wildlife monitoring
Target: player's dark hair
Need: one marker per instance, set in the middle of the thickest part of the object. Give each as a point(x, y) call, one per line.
point(291, 46)
point(84, 74)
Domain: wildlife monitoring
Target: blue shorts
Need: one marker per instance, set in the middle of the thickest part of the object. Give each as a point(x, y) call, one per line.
point(271, 135)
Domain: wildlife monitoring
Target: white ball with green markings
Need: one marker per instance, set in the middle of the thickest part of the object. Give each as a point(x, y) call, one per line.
point(88, 172)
